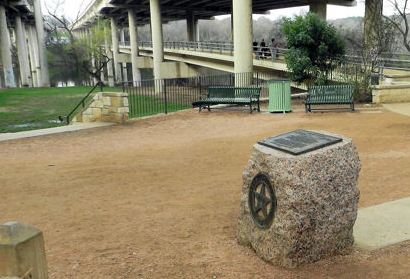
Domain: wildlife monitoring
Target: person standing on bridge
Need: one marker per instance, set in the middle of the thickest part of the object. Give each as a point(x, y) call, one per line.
point(274, 48)
point(262, 49)
point(255, 49)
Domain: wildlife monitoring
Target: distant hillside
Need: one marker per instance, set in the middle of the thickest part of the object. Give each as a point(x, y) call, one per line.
point(349, 22)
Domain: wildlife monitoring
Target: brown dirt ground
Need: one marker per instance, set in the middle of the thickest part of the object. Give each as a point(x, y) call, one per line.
point(159, 197)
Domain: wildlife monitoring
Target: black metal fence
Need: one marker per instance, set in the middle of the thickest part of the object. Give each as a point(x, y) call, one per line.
point(168, 95)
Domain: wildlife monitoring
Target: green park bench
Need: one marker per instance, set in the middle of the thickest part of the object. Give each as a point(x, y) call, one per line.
point(330, 95)
point(230, 96)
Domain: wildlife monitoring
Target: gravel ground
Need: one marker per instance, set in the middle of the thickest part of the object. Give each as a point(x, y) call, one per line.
point(159, 197)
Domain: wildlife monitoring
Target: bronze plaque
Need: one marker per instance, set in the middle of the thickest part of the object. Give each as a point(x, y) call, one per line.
point(299, 142)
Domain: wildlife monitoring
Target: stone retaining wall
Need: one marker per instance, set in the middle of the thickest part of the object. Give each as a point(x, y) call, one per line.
point(106, 107)
point(391, 94)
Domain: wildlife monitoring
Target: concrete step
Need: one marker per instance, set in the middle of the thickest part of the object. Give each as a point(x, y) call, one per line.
point(383, 225)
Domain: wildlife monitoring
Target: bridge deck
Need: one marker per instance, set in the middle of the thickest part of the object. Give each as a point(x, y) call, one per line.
point(219, 56)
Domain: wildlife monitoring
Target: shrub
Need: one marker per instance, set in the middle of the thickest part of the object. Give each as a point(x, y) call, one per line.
point(315, 49)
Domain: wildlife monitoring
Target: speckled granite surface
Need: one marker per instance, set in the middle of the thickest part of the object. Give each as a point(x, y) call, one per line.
point(317, 201)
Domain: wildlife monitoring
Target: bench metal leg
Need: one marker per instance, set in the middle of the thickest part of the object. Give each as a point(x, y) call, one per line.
point(259, 107)
point(250, 106)
point(352, 106)
point(209, 108)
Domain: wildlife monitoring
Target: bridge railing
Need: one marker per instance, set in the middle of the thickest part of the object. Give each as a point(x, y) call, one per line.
point(216, 47)
point(388, 60)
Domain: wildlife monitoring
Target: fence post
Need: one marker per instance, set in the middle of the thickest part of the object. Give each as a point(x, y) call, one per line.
point(356, 74)
point(165, 96)
point(200, 86)
point(257, 78)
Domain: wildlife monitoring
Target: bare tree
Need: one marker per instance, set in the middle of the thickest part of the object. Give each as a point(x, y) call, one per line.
point(400, 21)
point(56, 11)
point(366, 56)
point(86, 53)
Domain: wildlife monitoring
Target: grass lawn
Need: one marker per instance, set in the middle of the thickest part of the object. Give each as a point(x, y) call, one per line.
point(24, 109)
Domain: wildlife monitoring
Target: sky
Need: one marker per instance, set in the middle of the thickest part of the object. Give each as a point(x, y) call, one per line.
point(71, 8)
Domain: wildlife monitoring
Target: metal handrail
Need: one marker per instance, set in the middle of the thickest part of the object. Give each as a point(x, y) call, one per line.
point(83, 103)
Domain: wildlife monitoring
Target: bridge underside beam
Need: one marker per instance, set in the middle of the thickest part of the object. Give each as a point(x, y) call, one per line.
point(202, 9)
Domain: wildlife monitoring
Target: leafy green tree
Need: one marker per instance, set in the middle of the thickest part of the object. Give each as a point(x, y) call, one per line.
point(315, 48)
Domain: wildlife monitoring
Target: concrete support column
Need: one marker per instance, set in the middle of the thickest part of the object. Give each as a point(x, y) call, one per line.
point(122, 36)
point(102, 76)
point(91, 45)
point(22, 52)
point(232, 25)
point(38, 15)
point(5, 48)
point(124, 72)
point(372, 22)
point(157, 37)
point(320, 9)
point(115, 50)
point(34, 56)
point(124, 65)
point(132, 21)
point(192, 28)
point(31, 56)
point(243, 36)
point(110, 72)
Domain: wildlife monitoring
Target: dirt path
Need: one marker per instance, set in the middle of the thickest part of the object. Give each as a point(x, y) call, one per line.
point(159, 198)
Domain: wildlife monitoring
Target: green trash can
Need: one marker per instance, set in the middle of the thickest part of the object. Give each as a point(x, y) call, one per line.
point(279, 96)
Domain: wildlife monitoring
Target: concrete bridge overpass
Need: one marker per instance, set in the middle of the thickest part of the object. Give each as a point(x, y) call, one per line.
point(126, 15)
point(184, 58)
point(21, 24)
